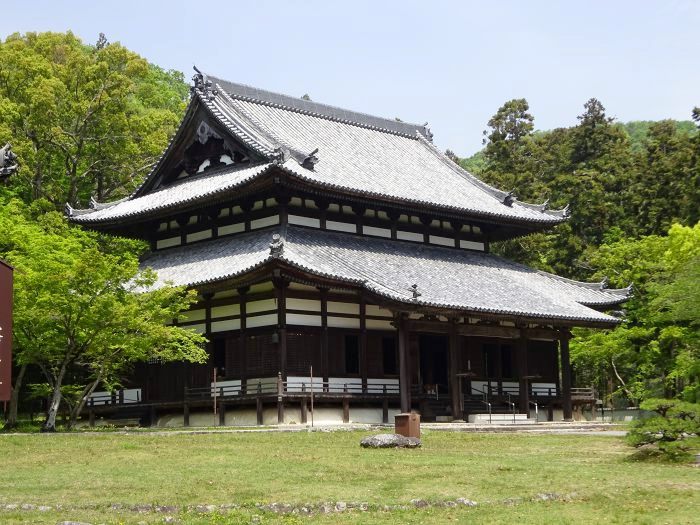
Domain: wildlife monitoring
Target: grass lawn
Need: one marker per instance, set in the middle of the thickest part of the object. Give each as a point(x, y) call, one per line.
point(504, 473)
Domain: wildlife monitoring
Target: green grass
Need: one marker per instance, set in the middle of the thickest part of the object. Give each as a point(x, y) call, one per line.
point(504, 473)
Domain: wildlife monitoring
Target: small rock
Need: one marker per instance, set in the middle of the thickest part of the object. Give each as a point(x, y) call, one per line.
point(389, 441)
point(169, 519)
point(341, 506)
point(449, 504)
point(43, 508)
point(548, 496)
point(466, 502)
point(72, 523)
point(11, 506)
point(28, 506)
point(419, 503)
point(326, 508)
point(142, 508)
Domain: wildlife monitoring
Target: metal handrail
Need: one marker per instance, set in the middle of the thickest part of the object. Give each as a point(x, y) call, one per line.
point(512, 407)
point(537, 413)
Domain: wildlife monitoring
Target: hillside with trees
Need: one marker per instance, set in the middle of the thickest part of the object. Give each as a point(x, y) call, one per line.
point(634, 195)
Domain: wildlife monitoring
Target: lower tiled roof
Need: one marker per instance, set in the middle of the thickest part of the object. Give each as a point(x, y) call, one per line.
point(446, 278)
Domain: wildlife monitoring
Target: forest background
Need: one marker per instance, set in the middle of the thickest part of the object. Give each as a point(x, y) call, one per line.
point(90, 120)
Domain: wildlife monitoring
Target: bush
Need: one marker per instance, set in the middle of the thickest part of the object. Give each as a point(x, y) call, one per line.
point(671, 432)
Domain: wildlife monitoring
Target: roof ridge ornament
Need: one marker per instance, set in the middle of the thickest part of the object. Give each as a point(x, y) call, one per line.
point(8, 161)
point(202, 85)
point(414, 290)
point(310, 160)
point(276, 246)
point(510, 198)
point(428, 133)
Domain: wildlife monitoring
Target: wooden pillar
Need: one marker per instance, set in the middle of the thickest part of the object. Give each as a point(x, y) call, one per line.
point(521, 349)
point(363, 344)
point(303, 409)
point(453, 370)
point(280, 399)
point(259, 410)
point(222, 414)
point(565, 335)
point(385, 409)
point(404, 373)
point(186, 410)
point(346, 410)
point(243, 351)
point(281, 291)
point(91, 417)
point(324, 333)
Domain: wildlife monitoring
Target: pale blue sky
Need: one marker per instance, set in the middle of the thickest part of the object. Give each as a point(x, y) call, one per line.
point(449, 63)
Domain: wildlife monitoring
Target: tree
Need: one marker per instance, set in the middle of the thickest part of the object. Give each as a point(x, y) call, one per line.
point(85, 120)
point(84, 313)
point(656, 351)
point(507, 141)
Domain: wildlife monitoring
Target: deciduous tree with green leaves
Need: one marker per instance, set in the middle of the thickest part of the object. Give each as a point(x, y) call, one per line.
point(84, 312)
point(85, 120)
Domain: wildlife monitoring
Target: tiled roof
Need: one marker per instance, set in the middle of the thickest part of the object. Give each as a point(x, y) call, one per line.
point(197, 188)
point(357, 153)
point(455, 279)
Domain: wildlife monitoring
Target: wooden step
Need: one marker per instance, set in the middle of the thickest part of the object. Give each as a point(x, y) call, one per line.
point(501, 419)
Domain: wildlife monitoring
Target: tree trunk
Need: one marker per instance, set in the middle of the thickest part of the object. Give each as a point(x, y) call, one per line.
point(622, 383)
point(50, 423)
point(11, 421)
point(77, 409)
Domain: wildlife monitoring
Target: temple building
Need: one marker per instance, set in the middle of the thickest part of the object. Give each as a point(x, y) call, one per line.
point(344, 254)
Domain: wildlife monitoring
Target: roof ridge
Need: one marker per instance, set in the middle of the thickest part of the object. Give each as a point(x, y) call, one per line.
point(318, 109)
point(499, 195)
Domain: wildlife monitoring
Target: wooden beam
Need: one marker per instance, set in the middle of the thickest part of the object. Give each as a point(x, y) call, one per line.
point(404, 376)
point(565, 374)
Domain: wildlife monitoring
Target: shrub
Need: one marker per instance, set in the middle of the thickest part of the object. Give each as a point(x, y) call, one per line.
point(671, 432)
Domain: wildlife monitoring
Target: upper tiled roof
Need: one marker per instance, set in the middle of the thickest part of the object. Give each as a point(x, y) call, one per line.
point(357, 153)
point(197, 188)
point(467, 281)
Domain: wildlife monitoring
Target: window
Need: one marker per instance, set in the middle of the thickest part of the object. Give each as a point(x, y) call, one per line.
point(352, 354)
point(389, 356)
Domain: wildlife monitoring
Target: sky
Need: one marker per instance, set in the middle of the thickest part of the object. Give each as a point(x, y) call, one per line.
point(450, 63)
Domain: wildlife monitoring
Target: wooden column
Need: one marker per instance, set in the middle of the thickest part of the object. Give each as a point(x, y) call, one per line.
point(363, 344)
point(404, 373)
point(521, 349)
point(324, 333)
point(242, 340)
point(565, 335)
point(281, 291)
point(453, 370)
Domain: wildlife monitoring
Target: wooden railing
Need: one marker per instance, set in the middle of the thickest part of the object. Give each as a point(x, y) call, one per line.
point(279, 387)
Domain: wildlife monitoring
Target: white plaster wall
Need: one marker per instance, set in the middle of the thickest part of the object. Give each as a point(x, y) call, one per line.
point(167, 243)
point(292, 415)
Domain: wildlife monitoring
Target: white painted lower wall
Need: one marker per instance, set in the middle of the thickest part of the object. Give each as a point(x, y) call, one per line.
point(247, 417)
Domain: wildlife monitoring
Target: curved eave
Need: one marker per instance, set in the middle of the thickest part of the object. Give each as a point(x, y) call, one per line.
point(295, 172)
